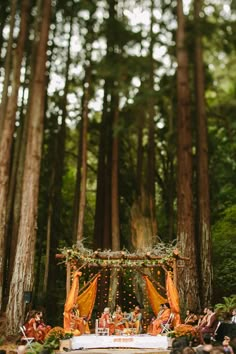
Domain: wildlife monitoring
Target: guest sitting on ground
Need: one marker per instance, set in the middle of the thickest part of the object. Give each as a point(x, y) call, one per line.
point(162, 318)
point(226, 345)
point(135, 320)
point(105, 321)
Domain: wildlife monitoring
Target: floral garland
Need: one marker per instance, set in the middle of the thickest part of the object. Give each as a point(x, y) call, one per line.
point(160, 254)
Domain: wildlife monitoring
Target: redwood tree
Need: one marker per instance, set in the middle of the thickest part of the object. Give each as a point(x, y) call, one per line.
point(203, 199)
point(7, 136)
point(23, 273)
point(187, 274)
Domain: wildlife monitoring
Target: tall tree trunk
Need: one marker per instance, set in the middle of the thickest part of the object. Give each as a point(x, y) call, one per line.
point(99, 240)
point(115, 224)
point(14, 196)
point(4, 11)
point(151, 134)
point(187, 275)
point(57, 174)
point(103, 222)
point(83, 172)
point(23, 274)
point(8, 132)
point(8, 62)
point(143, 211)
point(204, 233)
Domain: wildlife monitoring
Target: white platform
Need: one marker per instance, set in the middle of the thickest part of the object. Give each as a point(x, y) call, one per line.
point(124, 341)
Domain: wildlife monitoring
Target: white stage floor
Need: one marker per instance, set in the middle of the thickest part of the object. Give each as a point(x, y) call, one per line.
point(90, 341)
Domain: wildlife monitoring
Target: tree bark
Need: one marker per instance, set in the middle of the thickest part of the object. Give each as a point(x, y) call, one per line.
point(4, 12)
point(151, 134)
point(8, 132)
point(115, 220)
point(187, 275)
point(8, 64)
point(204, 232)
point(23, 273)
point(83, 172)
point(99, 240)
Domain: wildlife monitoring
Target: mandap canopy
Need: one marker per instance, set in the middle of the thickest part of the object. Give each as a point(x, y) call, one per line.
point(156, 261)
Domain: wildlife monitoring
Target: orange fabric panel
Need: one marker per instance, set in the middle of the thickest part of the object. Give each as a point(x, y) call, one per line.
point(154, 297)
point(173, 298)
point(86, 300)
point(71, 298)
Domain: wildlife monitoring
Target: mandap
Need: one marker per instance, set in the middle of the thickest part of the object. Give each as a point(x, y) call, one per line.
point(95, 279)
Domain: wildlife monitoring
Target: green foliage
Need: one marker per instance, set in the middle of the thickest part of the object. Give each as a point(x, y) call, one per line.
point(224, 310)
point(224, 253)
point(36, 348)
point(54, 336)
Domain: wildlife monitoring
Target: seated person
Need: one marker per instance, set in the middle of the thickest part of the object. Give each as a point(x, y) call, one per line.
point(162, 318)
point(35, 327)
point(226, 345)
point(76, 321)
point(105, 321)
point(233, 319)
point(31, 325)
point(119, 319)
point(209, 325)
point(134, 320)
point(191, 318)
point(152, 318)
point(202, 318)
point(42, 328)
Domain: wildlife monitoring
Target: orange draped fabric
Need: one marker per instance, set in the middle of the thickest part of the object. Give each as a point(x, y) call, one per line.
point(71, 299)
point(86, 300)
point(154, 297)
point(173, 298)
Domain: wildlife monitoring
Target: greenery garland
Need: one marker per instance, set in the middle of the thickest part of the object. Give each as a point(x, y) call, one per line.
point(160, 254)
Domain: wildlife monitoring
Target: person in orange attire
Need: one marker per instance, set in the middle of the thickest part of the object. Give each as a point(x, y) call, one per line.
point(105, 321)
point(42, 328)
point(77, 322)
point(70, 302)
point(162, 318)
point(31, 325)
point(118, 319)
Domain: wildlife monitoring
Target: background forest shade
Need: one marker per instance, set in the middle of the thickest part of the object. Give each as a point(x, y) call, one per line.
point(97, 94)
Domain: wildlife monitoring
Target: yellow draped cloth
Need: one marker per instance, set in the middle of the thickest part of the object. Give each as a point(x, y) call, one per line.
point(154, 297)
point(85, 300)
point(173, 298)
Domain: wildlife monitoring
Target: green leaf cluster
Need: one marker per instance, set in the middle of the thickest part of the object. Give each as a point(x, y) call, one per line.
point(224, 253)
